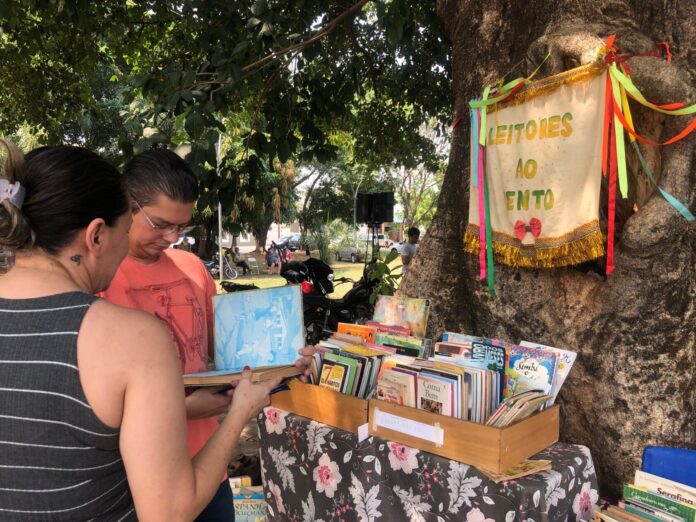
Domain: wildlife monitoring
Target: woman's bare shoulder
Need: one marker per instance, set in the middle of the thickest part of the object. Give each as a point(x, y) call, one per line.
point(128, 329)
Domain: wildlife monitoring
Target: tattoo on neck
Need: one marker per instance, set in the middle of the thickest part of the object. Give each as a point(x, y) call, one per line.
point(77, 259)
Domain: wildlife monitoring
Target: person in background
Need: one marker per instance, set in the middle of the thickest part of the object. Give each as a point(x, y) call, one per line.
point(239, 261)
point(409, 248)
point(272, 260)
point(175, 287)
point(93, 423)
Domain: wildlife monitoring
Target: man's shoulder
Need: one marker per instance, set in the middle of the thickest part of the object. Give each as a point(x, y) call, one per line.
point(181, 256)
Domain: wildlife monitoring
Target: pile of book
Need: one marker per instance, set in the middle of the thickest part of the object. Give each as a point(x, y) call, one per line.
point(351, 360)
point(463, 376)
point(652, 498)
point(480, 380)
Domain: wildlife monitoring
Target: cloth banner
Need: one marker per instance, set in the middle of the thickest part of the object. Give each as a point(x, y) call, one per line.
point(542, 161)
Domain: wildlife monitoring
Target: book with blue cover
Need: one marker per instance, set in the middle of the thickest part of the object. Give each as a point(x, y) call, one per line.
point(262, 329)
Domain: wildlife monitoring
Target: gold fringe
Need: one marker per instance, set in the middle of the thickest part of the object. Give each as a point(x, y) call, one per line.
point(583, 249)
point(545, 86)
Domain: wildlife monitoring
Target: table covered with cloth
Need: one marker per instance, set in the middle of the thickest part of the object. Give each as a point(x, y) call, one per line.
point(315, 473)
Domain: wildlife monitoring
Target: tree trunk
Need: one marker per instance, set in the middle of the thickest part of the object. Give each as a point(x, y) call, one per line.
point(633, 382)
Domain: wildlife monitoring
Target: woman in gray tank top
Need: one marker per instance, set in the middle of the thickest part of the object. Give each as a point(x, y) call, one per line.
point(92, 418)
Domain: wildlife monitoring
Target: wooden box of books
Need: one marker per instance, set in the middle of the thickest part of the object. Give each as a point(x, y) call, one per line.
point(485, 447)
point(323, 405)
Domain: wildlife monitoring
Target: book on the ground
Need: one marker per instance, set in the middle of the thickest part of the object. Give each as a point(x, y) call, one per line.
point(665, 487)
point(636, 495)
point(411, 313)
point(524, 468)
point(225, 377)
point(651, 513)
point(249, 504)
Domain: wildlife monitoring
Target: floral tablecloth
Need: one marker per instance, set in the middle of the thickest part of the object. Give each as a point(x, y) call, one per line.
point(315, 473)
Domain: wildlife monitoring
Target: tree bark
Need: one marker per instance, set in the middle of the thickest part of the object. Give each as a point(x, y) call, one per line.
point(634, 380)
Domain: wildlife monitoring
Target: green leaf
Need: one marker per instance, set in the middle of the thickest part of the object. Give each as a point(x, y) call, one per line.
point(239, 48)
point(259, 7)
point(253, 22)
point(391, 256)
point(194, 125)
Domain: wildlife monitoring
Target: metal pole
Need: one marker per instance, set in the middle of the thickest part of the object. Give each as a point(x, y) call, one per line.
point(222, 261)
point(355, 204)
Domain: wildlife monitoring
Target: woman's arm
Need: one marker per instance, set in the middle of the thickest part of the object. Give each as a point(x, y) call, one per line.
point(166, 484)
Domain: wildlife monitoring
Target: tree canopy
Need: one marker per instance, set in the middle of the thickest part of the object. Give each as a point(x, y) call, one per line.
point(276, 78)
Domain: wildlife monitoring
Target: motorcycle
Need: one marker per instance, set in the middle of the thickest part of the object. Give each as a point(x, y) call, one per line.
point(213, 267)
point(321, 313)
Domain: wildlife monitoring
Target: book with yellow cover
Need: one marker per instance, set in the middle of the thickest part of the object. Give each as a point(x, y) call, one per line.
point(336, 377)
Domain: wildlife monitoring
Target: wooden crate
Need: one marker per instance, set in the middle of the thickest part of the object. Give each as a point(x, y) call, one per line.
point(493, 449)
point(323, 405)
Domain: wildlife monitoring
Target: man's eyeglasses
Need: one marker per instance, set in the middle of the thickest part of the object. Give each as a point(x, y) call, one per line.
point(165, 230)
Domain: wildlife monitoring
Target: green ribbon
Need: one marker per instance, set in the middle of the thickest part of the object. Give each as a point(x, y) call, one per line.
point(489, 236)
point(620, 147)
point(482, 131)
point(681, 208)
point(627, 84)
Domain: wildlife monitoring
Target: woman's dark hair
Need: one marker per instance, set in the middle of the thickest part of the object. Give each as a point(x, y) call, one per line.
point(160, 171)
point(66, 188)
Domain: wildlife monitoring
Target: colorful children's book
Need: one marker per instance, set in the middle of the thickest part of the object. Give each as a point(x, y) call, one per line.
point(530, 369)
point(566, 359)
point(408, 312)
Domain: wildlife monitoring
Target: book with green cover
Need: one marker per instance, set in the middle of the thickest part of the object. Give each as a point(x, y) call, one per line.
point(688, 513)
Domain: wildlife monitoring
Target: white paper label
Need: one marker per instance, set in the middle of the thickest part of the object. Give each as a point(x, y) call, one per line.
point(362, 432)
point(433, 434)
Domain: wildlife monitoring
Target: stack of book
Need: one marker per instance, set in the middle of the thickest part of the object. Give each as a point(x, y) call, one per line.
point(486, 381)
point(652, 498)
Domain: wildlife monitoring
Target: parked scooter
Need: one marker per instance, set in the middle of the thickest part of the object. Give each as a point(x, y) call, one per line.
point(321, 313)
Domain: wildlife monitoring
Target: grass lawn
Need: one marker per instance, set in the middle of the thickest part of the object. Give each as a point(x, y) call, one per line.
point(340, 268)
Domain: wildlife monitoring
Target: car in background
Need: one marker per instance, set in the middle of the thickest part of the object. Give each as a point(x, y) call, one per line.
point(382, 240)
point(396, 247)
point(349, 253)
point(292, 242)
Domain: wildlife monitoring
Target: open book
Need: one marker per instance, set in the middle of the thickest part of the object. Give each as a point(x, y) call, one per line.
point(262, 329)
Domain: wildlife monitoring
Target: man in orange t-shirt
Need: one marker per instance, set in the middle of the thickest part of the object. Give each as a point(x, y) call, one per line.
point(174, 286)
